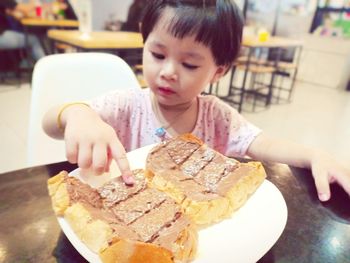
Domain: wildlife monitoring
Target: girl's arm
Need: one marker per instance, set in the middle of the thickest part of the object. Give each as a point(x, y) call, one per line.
point(324, 168)
point(90, 142)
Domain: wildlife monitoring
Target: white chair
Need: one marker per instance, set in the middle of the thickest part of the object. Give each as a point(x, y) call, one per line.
point(69, 77)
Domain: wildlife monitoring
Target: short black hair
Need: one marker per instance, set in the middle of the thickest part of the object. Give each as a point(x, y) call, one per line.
point(217, 24)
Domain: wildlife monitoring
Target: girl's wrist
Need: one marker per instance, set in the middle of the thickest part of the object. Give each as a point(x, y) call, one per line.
point(65, 110)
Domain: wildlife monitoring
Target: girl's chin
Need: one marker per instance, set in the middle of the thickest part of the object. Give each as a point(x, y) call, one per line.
point(165, 101)
point(168, 100)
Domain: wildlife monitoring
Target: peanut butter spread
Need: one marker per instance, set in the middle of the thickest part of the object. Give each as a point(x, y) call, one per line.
point(201, 173)
point(133, 212)
point(80, 192)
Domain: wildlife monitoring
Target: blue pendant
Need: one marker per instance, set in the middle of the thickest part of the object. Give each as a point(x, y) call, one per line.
point(160, 132)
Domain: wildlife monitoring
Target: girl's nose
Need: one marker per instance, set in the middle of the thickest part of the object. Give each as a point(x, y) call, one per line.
point(168, 71)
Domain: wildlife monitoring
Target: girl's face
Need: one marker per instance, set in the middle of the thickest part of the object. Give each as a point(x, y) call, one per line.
point(177, 70)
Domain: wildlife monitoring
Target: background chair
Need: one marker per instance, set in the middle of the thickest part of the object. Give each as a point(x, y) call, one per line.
point(285, 61)
point(62, 78)
point(251, 80)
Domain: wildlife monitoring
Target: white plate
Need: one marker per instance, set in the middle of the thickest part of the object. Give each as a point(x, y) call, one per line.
point(245, 237)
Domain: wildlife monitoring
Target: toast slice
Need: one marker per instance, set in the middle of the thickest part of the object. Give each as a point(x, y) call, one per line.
point(123, 223)
point(208, 185)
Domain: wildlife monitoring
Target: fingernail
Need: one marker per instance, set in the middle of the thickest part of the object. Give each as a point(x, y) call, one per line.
point(323, 197)
point(129, 180)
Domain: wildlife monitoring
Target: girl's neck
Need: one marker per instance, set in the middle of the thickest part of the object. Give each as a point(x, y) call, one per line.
point(177, 119)
point(175, 109)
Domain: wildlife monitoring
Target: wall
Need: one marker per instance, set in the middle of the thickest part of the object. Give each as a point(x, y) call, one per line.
point(293, 26)
point(104, 9)
point(325, 61)
point(293, 20)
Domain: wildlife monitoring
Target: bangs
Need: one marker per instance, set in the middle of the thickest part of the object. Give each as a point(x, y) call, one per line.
point(210, 27)
point(201, 24)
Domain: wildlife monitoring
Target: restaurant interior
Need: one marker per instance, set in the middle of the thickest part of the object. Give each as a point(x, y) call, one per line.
point(291, 78)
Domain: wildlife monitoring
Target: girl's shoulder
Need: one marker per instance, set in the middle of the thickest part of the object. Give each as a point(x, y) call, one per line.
point(131, 95)
point(214, 105)
point(134, 92)
point(122, 99)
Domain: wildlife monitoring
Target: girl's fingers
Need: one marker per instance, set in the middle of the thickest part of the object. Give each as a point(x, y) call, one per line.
point(99, 158)
point(322, 183)
point(85, 156)
point(342, 177)
point(72, 151)
point(109, 160)
point(119, 155)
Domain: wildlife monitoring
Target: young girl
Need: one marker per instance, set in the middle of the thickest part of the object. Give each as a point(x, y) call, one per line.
point(187, 45)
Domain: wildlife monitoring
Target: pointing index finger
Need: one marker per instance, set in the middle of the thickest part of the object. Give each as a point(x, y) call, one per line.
point(119, 155)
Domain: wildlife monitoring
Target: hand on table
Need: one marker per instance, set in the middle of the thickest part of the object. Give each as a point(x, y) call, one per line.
point(326, 170)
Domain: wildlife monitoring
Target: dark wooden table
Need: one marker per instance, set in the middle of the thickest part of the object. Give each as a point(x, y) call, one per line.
point(315, 232)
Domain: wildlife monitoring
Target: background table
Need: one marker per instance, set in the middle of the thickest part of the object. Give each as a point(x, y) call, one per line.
point(40, 26)
point(98, 40)
point(39, 22)
point(272, 41)
point(315, 232)
point(127, 45)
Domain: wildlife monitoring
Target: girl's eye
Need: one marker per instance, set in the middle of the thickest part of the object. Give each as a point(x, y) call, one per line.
point(157, 55)
point(190, 66)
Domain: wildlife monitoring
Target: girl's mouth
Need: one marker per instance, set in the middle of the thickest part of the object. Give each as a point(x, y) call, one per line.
point(166, 91)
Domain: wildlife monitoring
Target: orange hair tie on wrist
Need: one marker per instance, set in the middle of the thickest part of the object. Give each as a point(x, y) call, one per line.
point(65, 106)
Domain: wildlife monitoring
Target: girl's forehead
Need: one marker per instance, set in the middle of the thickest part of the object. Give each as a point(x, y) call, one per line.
point(166, 18)
point(162, 34)
point(167, 21)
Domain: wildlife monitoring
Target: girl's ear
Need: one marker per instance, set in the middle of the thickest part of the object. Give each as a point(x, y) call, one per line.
point(221, 71)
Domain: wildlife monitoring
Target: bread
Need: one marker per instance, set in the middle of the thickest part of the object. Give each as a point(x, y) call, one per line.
point(208, 185)
point(122, 223)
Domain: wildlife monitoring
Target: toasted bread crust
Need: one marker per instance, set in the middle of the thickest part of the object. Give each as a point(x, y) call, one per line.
point(58, 192)
point(122, 250)
point(134, 252)
point(191, 138)
point(94, 233)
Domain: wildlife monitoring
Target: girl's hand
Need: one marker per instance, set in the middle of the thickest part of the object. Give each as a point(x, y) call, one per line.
point(326, 170)
point(92, 143)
